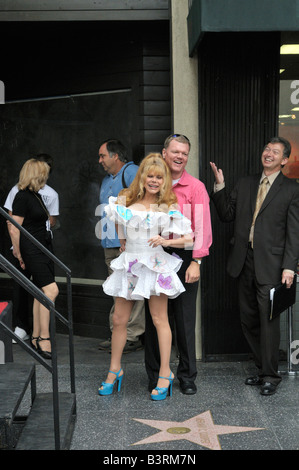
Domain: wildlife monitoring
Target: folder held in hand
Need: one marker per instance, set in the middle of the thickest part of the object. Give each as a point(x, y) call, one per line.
point(281, 298)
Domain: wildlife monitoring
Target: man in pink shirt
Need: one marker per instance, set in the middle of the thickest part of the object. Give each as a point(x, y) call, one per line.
point(194, 201)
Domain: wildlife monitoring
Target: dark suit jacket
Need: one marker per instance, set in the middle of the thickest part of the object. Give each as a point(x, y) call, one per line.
point(276, 234)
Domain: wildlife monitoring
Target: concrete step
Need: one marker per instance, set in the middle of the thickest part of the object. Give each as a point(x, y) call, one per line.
point(6, 352)
point(14, 380)
point(38, 432)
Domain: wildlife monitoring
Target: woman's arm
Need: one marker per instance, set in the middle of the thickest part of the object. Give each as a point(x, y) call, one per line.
point(121, 236)
point(15, 238)
point(186, 241)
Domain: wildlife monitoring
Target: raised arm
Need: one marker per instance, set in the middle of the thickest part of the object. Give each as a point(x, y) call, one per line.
point(218, 173)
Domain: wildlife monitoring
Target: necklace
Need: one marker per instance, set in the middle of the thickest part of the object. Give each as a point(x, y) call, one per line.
point(42, 204)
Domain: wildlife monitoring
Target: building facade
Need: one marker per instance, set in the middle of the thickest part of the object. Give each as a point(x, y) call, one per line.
point(77, 72)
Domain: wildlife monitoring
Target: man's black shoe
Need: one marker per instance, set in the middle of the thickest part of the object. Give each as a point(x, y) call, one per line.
point(188, 388)
point(255, 380)
point(268, 389)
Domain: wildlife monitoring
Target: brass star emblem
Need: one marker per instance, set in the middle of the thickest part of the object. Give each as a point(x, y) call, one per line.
point(200, 430)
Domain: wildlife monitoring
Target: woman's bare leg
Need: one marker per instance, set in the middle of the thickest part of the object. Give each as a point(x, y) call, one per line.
point(36, 321)
point(159, 313)
point(41, 316)
point(121, 315)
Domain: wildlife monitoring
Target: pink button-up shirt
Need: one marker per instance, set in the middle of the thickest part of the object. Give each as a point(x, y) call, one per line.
point(194, 203)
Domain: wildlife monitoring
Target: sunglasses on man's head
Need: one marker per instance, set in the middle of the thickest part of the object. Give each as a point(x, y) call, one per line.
point(180, 135)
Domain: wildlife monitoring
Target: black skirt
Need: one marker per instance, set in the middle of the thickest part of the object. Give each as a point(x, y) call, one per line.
point(41, 269)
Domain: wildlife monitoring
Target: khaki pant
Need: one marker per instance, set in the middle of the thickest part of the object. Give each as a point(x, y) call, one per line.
point(136, 323)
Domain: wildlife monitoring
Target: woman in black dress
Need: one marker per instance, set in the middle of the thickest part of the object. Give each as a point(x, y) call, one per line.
point(30, 212)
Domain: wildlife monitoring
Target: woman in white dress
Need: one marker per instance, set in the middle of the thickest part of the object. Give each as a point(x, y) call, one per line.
point(145, 215)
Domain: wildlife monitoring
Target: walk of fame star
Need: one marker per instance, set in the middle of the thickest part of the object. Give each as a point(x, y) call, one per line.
point(200, 430)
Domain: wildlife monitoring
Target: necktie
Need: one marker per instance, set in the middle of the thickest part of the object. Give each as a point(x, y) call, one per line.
point(259, 201)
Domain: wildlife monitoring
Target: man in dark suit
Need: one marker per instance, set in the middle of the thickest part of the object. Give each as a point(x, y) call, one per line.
point(264, 251)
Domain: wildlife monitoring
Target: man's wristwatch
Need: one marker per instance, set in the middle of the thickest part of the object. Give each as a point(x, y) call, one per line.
point(198, 261)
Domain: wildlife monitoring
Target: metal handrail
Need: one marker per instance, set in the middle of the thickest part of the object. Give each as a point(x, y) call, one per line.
point(44, 300)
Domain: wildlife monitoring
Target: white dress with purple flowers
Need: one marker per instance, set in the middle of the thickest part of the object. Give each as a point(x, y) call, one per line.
point(142, 271)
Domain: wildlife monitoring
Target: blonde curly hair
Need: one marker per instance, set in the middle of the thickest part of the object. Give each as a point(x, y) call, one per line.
point(151, 164)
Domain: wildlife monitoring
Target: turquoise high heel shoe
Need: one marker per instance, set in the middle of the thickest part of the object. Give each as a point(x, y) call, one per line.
point(162, 391)
point(108, 388)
